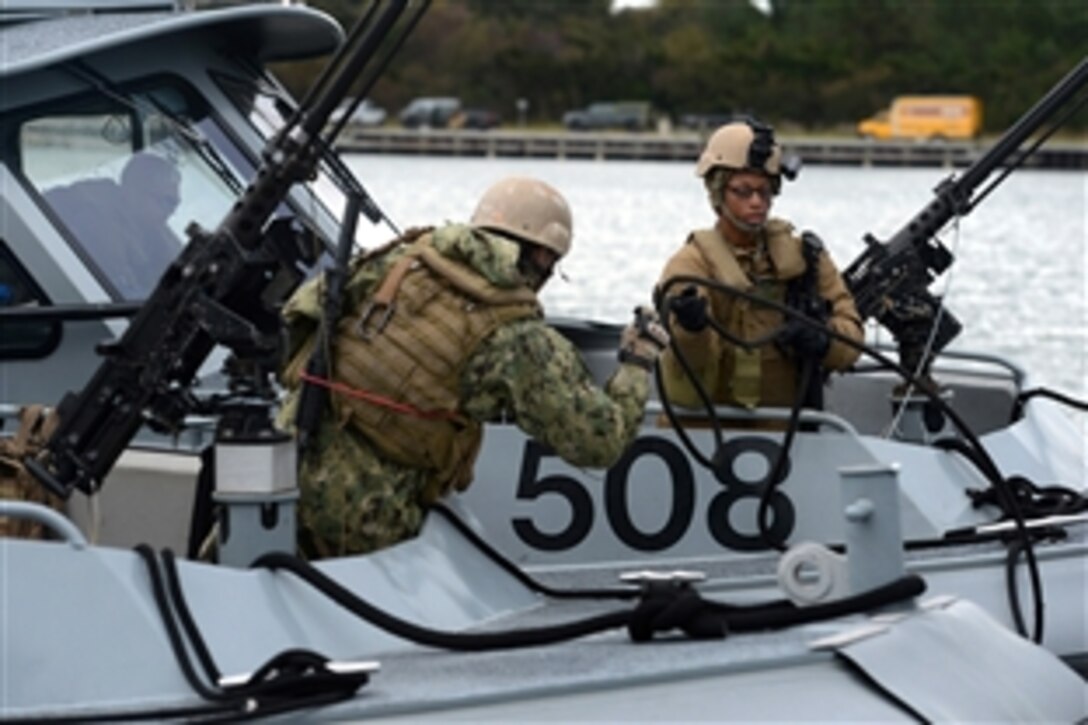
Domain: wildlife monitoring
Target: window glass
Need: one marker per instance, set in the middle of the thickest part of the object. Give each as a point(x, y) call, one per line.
point(125, 174)
point(22, 338)
point(268, 109)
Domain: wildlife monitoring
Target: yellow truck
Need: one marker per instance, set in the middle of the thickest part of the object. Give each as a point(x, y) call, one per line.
point(926, 117)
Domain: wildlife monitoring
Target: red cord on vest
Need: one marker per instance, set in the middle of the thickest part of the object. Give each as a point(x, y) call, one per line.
point(379, 400)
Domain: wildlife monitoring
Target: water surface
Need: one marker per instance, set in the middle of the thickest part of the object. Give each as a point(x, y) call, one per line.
point(1018, 283)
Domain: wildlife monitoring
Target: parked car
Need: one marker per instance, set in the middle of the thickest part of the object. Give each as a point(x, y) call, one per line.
point(705, 121)
point(630, 115)
point(367, 113)
point(429, 112)
point(477, 118)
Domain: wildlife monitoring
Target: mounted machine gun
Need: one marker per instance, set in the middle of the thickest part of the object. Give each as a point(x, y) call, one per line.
point(225, 288)
point(889, 280)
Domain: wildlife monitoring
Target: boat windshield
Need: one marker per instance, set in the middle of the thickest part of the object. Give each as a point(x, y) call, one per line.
point(269, 107)
point(125, 174)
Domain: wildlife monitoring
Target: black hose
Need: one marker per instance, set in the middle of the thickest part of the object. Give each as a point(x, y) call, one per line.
point(291, 680)
point(769, 485)
point(663, 607)
point(430, 637)
point(1023, 397)
point(1015, 547)
point(774, 476)
point(518, 573)
point(1002, 489)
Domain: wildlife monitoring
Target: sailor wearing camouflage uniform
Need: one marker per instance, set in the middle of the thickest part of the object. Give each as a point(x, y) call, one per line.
point(443, 332)
point(742, 169)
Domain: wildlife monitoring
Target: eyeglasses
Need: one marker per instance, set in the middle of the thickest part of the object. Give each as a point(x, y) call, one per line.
point(747, 192)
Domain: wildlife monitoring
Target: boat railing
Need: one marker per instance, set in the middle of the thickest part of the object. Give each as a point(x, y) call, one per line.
point(198, 432)
point(744, 416)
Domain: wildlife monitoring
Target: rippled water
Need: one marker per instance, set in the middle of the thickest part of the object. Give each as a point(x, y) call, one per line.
point(1019, 283)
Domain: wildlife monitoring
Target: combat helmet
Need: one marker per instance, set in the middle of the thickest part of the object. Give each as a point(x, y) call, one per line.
point(745, 144)
point(527, 209)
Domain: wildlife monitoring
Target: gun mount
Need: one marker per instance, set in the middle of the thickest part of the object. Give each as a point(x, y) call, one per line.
point(225, 288)
point(890, 280)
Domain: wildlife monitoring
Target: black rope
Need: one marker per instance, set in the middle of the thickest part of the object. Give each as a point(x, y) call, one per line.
point(181, 607)
point(770, 484)
point(978, 453)
point(1035, 501)
point(158, 591)
point(775, 475)
point(629, 592)
point(1015, 548)
point(291, 680)
point(430, 637)
point(296, 679)
point(700, 390)
point(1023, 397)
point(664, 606)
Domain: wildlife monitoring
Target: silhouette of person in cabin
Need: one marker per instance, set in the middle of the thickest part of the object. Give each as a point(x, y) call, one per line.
point(123, 226)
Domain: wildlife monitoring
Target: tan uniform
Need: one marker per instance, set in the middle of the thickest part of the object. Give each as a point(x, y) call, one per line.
point(766, 375)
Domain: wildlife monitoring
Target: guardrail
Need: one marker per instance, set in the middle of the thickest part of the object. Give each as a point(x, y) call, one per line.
point(651, 146)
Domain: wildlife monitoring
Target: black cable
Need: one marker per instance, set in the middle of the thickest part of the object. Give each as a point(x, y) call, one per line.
point(476, 642)
point(982, 457)
point(158, 591)
point(901, 589)
point(664, 606)
point(518, 573)
point(633, 592)
point(1011, 586)
point(276, 687)
point(181, 608)
point(700, 390)
point(774, 476)
point(1023, 397)
point(770, 484)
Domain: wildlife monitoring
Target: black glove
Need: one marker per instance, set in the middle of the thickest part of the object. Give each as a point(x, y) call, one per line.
point(689, 309)
point(805, 341)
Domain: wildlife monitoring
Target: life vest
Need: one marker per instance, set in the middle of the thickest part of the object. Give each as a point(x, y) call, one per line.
point(736, 374)
point(434, 311)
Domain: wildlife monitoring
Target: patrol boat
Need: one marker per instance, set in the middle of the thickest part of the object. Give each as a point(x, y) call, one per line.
point(541, 593)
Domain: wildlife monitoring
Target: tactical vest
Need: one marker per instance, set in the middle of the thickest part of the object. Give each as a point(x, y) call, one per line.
point(16, 482)
point(739, 371)
point(439, 312)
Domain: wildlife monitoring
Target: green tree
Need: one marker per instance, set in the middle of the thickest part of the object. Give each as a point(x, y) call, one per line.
point(808, 63)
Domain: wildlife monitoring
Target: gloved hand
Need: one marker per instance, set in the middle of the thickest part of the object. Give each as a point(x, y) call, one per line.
point(689, 309)
point(804, 340)
point(642, 341)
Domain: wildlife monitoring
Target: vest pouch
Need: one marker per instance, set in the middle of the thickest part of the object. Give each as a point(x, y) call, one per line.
point(679, 388)
point(16, 483)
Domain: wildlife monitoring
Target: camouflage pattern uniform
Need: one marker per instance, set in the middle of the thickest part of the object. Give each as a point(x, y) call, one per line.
point(355, 500)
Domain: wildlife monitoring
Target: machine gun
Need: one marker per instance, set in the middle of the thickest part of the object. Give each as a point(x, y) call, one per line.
point(225, 288)
point(889, 280)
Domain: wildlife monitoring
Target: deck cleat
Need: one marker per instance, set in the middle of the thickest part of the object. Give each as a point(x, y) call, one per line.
point(649, 579)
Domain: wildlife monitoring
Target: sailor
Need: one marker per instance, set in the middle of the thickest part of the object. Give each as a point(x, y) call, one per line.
point(742, 168)
point(442, 331)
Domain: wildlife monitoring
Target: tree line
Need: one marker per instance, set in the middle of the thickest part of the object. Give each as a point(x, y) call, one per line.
point(801, 64)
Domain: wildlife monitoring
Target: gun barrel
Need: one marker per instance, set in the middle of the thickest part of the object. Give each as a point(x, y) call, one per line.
point(889, 280)
point(215, 293)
